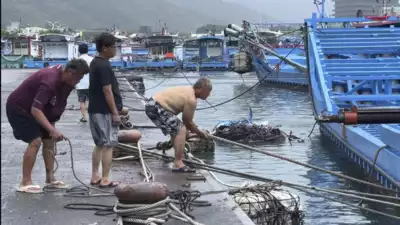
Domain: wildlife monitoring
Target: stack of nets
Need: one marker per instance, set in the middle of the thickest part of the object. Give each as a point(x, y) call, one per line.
point(267, 205)
point(247, 132)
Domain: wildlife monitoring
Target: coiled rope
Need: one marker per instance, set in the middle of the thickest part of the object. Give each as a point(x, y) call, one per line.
point(157, 213)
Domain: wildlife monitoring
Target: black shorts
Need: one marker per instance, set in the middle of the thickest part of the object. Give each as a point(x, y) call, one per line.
point(25, 127)
point(83, 95)
point(169, 123)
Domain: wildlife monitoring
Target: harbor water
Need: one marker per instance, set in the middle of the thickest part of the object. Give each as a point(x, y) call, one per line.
point(290, 108)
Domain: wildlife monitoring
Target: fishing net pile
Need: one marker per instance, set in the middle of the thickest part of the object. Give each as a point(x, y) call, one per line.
point(248, 132)
point(268, 205)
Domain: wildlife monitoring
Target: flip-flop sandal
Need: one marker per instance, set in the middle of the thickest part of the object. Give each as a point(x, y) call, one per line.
point(185, 169)
point(57, 185)
point(112, 184)
point(95, 183)
point(83, 120)
point(30, 189)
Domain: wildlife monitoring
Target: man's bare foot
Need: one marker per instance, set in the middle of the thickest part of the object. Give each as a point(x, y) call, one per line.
point(25, 183)
point(50, 179)
point(108, 184)
point(178, 165)
point(95, 181)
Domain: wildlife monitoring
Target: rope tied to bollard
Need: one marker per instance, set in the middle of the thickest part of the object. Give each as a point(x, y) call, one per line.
point(155, 213)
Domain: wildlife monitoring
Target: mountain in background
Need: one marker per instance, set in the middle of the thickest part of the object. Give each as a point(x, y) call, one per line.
point(182, 15)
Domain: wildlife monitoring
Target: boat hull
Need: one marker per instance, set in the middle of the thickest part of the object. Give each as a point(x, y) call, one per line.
point(206, 66)
point(286, 78)
point(361, 145)
point(33, 64)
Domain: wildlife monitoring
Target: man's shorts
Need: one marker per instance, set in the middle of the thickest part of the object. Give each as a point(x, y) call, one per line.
point(169, 123)
point(83, 95)
point(25, 127)
point(104, 133)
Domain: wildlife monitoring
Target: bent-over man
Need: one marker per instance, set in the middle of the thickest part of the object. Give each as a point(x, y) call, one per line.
point(32, 111)
point(164, 107)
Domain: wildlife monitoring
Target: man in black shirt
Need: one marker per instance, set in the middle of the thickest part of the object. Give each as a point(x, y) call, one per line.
point(105, 103)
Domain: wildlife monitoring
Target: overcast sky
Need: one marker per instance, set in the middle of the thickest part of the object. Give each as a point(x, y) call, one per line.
point(284, 10)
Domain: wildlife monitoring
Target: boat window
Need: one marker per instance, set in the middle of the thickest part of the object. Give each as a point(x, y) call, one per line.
point(20, 44)
point(191, 44)
point(232, 43)
point(20, 48)
point(55, 51)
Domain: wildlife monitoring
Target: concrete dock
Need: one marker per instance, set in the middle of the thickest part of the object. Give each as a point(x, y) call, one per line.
point(48, 208)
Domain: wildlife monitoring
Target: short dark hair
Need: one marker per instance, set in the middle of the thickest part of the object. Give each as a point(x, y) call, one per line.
point(77, 66)
point(105, 40)
point(83, 48)
point(203, 82)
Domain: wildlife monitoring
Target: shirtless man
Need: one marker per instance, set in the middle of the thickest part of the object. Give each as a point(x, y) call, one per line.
point(164, 107)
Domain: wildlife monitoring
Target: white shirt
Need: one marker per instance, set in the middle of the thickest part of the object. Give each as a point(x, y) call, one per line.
point(84, 83)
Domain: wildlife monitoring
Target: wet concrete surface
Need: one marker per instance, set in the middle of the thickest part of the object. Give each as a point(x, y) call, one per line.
point(48, 208)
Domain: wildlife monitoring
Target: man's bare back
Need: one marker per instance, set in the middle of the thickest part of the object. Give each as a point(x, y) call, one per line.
point(174, 99)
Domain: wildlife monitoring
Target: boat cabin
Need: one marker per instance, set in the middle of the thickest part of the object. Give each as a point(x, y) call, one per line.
point(56, 47)
point(19, 45)
point(160, 45)
point(191, 48)
point(212, 47)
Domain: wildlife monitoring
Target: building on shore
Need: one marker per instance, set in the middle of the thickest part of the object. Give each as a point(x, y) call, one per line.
point(347, 8)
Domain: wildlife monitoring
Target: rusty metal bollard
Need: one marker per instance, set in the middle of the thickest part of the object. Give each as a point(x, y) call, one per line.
point(141, 193)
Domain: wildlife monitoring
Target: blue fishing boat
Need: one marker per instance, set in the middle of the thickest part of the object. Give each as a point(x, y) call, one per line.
point(353, 67)
point(270, 68)
point(362, 89)
point(138, 58)
point(206, 53)
point(53, 49)
point(266, 52)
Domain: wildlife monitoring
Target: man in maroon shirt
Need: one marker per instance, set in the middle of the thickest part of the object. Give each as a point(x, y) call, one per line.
point(32, 110)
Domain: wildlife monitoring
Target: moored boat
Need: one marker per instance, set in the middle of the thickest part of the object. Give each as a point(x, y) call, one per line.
point(364, 86)
point(53, 49)
point(354, 78)
point(206, 53)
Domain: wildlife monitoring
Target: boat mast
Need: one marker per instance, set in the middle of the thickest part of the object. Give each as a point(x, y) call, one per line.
point(322, 13)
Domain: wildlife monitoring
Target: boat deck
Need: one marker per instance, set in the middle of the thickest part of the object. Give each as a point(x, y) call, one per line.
point(18, 208)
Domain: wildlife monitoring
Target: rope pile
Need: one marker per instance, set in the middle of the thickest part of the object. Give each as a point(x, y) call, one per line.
point(267, 205)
